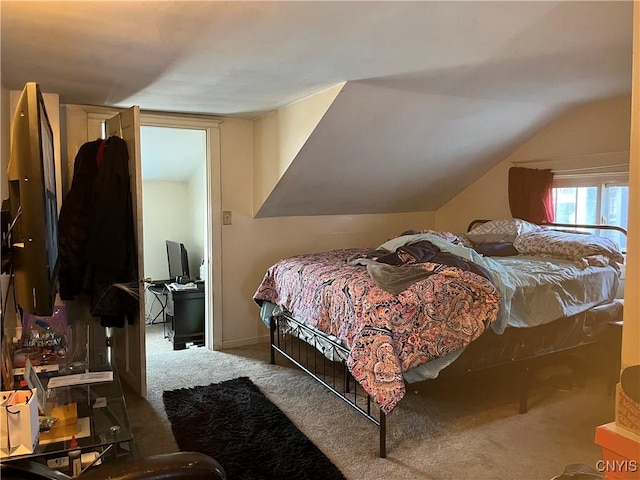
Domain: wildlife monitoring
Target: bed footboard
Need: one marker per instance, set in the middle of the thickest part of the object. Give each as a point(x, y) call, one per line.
point(325, 360)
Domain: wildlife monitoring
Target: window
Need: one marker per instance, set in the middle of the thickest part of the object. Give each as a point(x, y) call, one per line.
point(593, 200)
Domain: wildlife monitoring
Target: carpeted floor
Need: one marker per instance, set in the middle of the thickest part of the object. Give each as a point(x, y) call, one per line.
point(233, 422)
point(440, 431)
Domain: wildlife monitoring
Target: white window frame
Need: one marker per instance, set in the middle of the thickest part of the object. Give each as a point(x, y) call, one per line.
point(601, 181)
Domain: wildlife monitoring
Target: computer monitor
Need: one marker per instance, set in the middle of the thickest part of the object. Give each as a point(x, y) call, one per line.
point(178, 261)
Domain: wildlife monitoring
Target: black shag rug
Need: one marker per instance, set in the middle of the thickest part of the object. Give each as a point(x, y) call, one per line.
point(234, 423)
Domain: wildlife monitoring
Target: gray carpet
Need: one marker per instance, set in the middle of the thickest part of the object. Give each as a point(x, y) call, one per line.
point(441, 430)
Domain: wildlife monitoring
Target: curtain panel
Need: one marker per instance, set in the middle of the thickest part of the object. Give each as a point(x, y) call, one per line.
point(531, 194)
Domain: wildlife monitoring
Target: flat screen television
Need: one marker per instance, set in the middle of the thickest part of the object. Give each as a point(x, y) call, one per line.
point(33, 206)
point(178, 261)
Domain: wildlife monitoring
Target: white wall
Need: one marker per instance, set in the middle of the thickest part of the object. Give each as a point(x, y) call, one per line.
point(166, 207)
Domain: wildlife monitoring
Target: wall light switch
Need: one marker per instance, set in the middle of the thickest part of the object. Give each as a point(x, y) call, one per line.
point(226, 217)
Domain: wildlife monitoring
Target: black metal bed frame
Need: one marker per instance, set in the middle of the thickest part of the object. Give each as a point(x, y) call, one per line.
point(335, 376)
point(284, 333)
point(285, 336)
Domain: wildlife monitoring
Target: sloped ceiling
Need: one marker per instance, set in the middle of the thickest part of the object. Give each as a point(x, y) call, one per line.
point(437, 92)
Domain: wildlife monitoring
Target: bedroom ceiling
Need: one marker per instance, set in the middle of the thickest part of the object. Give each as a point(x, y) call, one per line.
point(437, 92)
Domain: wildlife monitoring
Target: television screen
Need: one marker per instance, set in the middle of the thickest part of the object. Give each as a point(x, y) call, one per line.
point(33, 205)
point(178, 261)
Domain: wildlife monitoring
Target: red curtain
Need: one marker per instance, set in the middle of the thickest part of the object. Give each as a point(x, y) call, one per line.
point(531, 194)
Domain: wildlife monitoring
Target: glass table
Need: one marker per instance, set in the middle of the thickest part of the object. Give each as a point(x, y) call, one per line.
point(103, 423)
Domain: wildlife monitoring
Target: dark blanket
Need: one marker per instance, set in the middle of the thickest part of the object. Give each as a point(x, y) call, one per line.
point(396, 271)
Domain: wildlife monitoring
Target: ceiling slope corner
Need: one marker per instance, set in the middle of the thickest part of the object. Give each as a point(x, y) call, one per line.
point(279, 136)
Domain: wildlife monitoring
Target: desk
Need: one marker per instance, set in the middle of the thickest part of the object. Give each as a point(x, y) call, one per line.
point(103, 406)
point(185, 313)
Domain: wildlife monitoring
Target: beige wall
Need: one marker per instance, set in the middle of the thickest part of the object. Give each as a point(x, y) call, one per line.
point(597, 133)
point(631, 329)
point(279, 136)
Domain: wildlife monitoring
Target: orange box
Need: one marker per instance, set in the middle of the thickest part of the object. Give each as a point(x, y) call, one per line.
point(620, 452)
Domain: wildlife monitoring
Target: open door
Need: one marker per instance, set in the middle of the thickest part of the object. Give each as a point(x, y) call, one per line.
point(129, 342)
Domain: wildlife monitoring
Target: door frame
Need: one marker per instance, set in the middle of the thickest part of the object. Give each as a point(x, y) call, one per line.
point(213, 244)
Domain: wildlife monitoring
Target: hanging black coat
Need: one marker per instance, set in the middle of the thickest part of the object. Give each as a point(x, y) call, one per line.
point(97, 243)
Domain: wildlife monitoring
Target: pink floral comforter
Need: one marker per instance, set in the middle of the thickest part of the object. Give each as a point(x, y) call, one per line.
point(387, 334)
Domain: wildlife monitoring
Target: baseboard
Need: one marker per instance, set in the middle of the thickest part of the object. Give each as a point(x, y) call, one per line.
point(243, 342)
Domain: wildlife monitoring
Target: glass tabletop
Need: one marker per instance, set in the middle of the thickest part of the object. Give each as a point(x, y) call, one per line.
point(101, 412)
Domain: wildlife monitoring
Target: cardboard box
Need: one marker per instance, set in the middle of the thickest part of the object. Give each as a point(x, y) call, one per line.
point(627, 411)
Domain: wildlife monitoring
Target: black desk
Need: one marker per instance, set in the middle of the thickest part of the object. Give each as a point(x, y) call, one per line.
point(185, 313)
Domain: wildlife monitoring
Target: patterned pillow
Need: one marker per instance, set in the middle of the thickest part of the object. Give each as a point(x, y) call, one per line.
point(507, 228)
point(584, 249)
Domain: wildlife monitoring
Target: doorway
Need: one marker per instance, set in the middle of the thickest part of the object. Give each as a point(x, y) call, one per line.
point(174, 205)
point(212, 223)
point(183, 175)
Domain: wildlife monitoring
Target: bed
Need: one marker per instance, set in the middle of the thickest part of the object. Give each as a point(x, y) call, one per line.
point(366, 322)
